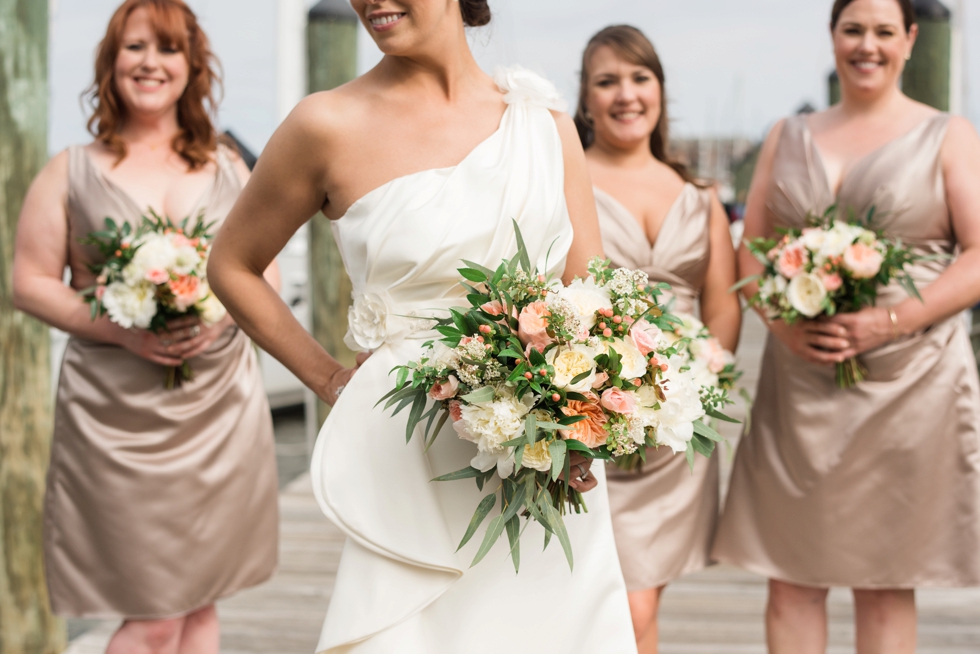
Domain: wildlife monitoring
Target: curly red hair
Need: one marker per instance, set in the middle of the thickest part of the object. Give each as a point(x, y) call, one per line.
point(176, 26)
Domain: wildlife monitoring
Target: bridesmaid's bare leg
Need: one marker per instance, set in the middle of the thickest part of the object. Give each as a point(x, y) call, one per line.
point(644, 606)
point(796, 619)
point(147, 637)
point(202, 632)
point(885, 620)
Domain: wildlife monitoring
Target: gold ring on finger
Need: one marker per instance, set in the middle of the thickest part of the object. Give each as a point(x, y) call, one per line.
point(196, 331)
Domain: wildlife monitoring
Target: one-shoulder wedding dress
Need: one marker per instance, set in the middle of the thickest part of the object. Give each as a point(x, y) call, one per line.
point(402, 587)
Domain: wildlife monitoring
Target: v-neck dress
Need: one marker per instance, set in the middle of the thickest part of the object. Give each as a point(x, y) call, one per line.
point(158, 502)
point(664, 516)
point(876, 486)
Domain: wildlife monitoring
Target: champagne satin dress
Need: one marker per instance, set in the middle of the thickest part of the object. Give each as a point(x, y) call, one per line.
point(158, 502)
point(402, 585)
point(876, 486)
point(664, 515)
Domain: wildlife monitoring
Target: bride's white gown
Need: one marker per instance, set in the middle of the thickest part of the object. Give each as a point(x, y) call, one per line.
point(402, 587)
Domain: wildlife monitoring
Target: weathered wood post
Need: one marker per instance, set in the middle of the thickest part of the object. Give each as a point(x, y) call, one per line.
point(927, 74)
point(833, 88)
point(26, 623)
point(332, 39)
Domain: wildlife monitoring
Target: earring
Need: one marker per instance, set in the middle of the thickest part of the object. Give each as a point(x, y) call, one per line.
point(588, 115)
point(908, 57)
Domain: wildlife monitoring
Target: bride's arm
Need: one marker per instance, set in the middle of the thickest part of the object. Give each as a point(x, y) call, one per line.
point(587, 242)
point(285, 190)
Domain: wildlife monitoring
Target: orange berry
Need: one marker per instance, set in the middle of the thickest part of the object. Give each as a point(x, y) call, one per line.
point(543, 372)
point(617, 319)
point(555, 397)
point(607, 333)
point(528, 375)
point(602, 325)
point(118, 253)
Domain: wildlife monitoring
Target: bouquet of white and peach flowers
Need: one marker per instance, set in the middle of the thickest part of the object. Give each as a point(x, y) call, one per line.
point(702, 359)
point(151, 274)
point(534, 370)
point(833, 266)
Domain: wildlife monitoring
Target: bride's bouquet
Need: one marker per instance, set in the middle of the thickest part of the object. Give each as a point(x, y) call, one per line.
point(710, 367)
point(152, 274)
point(833, 266)
point(534, 371)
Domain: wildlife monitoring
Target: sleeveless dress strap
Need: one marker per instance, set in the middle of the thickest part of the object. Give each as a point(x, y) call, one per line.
point(522, 86)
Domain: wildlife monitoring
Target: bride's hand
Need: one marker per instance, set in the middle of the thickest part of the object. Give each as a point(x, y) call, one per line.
point(340, 379)
point(582, 479)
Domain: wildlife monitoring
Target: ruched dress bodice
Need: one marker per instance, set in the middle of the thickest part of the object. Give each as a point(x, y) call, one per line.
point(877, 485)
point(664, 515)
point(402, 586)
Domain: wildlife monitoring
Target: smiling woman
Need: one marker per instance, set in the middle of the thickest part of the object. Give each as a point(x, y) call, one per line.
point(159, 502)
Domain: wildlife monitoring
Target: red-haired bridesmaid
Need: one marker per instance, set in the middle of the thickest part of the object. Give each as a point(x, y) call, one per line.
point(159, 502)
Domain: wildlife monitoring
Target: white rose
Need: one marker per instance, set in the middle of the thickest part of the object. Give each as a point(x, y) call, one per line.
point(569, 363)
point(633, 361)
point(537, 457)
point(186, 259)
point(647, 405)
point(813, 239)
point(835, 242)
point(587, 298)
point(775, 285)
point(211, 310)
point(367, 323)
point(690, 326)
point(155, 255)
point(806, 294)
point(130, 306)
point(442, 357)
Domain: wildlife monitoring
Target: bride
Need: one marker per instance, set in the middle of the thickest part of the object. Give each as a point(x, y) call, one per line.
point(422, 162)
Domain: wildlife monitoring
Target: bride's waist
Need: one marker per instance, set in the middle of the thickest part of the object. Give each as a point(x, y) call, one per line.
point(377, 318)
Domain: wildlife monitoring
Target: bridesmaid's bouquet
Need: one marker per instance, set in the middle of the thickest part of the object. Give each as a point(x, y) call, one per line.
point(534, 370)
point(833, 266)
point(151, 274)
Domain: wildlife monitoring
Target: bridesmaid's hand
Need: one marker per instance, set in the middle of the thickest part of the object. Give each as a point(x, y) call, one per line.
point(818, 341)
point(340, 379)
point(582, 479)
point(866, 329)
point(188, 337)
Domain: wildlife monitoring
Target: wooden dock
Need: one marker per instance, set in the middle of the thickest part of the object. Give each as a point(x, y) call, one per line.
point(719, 611)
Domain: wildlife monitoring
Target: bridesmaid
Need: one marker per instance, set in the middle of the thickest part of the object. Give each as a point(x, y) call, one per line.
point(876, 488)
point(158, 502)
point(654, 216)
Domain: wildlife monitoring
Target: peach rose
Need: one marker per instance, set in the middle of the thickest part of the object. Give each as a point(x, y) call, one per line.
point(600, 379)
point(645, 337)
point(791, 260)
point(456, 410)
point(157, 276)
point(863, 261)
point(831, 281)
point(619, 401)
point(591, 432)
point(446, 390)
point(533, 326)
point(186, 290)
point(494, 308)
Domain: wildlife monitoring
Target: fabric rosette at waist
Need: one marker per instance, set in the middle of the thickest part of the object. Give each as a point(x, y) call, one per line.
point(376, 318)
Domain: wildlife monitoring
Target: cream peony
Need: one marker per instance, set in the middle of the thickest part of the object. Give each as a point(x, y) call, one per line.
point(367, 323)
point(130, 306)
point(537, 457)
point(571, 362)
point(634, 363)
point(587, 298)
point(806, 294)
point(676, 416)
point(491, 424)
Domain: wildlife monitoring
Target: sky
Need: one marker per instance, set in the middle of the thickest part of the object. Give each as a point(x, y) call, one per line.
point(733, 68)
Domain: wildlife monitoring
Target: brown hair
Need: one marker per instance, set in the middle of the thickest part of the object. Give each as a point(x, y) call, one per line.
point(633, 46)
point(908, 13)
point(476, 13)
point(177, 26)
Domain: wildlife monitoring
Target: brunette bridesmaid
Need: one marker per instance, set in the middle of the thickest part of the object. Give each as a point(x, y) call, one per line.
point(654, 216)
point(159, 502)
point(877, 487)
